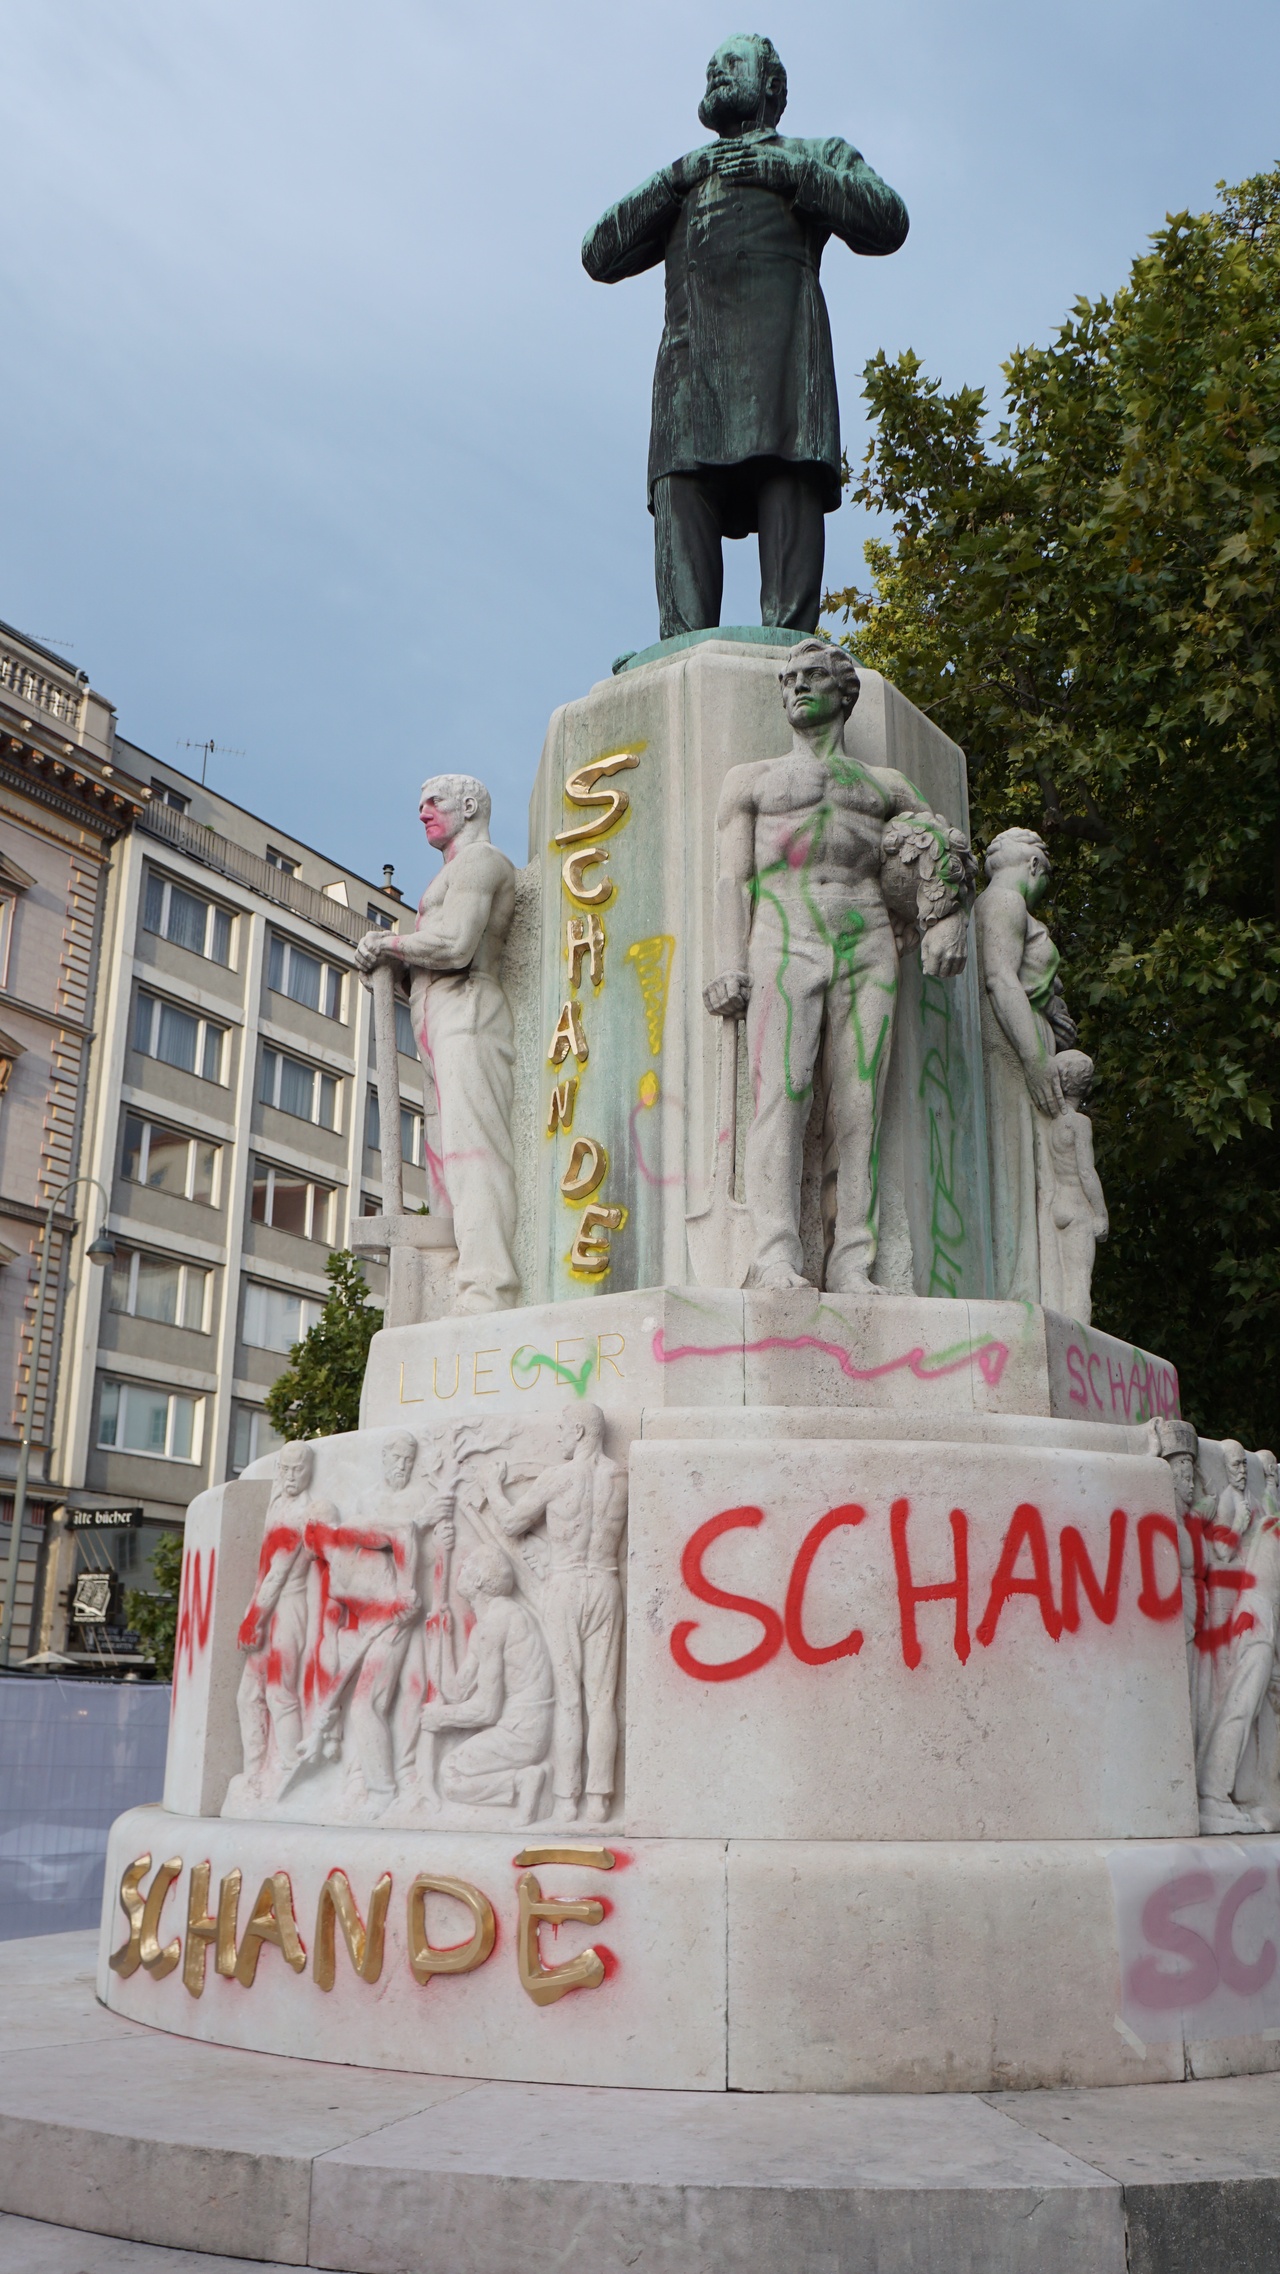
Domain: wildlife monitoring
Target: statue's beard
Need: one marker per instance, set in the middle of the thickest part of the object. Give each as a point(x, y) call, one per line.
point(722, 109)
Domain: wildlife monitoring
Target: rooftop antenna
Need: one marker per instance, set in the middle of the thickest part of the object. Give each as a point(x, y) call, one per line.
point(206, 750)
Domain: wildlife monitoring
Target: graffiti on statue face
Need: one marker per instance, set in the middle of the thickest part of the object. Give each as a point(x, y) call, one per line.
point(273, 1923)
point(1049, 1563)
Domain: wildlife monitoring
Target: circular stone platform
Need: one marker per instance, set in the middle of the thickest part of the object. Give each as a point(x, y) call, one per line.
point(114, 2129)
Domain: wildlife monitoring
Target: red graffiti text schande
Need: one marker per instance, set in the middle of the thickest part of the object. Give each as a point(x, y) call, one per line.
point(1049, 1565)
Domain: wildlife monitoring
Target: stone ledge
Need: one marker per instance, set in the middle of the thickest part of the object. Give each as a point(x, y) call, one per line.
point(114, 2131)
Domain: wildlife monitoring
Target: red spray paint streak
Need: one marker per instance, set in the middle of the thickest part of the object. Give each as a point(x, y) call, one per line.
point(990, 1356)
point(195, 1612)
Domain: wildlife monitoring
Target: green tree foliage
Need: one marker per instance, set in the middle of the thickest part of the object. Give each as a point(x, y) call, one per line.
point(154, 1616)
point(1089, 602)
point(318, 1393)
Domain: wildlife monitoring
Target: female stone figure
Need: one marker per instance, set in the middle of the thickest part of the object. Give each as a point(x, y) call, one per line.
point(1018, 963)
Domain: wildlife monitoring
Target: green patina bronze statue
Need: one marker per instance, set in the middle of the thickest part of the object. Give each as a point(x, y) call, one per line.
point(746, 424)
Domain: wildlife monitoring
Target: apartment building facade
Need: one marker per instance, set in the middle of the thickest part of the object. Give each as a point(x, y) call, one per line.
point(64, 805)
point(232, 1119)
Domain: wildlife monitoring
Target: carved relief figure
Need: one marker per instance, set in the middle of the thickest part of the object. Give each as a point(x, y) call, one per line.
point(805, 943)
point(1071, 1210)
point(1176, 1443)
point(1247, 1536)
point(465, 1033)
point(502, 1692)
point(1025, 1025)
point(273, 1632)
point(370, 1604)
point(583, 1502)
point(746, 427)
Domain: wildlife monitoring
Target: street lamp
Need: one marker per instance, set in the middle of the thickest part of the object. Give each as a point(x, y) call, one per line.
point(100, 1250)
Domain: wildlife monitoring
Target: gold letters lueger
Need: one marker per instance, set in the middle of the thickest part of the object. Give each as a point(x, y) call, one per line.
point(364, 1944)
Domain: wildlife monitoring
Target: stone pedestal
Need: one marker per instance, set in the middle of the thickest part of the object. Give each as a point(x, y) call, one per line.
point(646, 1091)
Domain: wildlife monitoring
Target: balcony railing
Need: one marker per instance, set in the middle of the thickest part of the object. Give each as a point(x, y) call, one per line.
point(249, 869)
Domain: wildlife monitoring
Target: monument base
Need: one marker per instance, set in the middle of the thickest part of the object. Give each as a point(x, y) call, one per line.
point(114, 2130)
point(770, 1966)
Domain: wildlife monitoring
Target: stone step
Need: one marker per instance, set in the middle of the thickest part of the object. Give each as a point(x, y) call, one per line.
point(109, 2130)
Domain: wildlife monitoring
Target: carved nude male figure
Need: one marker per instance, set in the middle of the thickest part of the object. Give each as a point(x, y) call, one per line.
point(371, 1568)
point(466, 1037)
point(273, 1632)
point(502, 1692)
point(584, 1501)
point(805, 944)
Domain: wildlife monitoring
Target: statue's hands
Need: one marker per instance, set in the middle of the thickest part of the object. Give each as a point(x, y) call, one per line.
point(727, 995)
point(945, 946)
point(376, 948)
point(762, 165)
point(688, 173)
point(432, 1716)
point(250, 1635)
point(1045, 1084)
point(446, 1534)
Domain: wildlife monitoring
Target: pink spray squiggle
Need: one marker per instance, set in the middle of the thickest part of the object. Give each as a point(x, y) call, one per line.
point(991, 1357)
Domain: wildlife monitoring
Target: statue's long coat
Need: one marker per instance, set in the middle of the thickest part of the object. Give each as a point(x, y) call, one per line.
point(745, 368)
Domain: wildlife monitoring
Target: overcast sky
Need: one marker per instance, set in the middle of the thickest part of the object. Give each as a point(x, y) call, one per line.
point(319, 441)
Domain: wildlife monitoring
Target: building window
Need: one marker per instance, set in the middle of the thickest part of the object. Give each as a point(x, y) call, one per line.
point(379, 919)
point(178, 1038)
point(405, 1043)
point(252, 1437)
point(158, 1287)
point(8, 908)
point(370, 1205)
point(166, 1424)
point(275, 1319)
point(292, 1087)
point(165, 1161)
point(411, 1134)
point(186, 918)
point(163, 795)
point(285, 862)
point(304, 978)
point(291, 1203)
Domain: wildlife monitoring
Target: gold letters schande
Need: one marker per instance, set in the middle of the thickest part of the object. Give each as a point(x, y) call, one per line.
point(272, 1923)
point(588, 889)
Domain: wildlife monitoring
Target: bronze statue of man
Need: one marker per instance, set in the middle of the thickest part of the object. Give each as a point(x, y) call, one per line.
point(746, 424)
